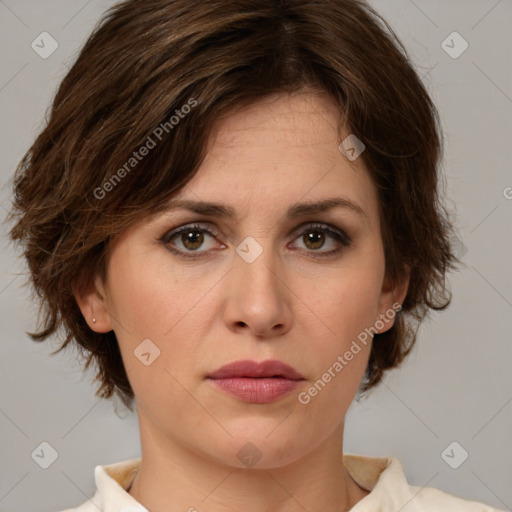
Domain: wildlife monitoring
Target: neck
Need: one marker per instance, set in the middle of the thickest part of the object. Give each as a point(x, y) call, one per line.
point(174, 477)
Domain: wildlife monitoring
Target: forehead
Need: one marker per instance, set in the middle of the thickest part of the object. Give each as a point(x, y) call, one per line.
point(299, 119)
point(280, 152)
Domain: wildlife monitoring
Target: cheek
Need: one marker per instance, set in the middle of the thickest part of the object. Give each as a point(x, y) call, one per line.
point(342, 346)
point(150, 294)
point(153, 300)
point(343, 308)
point(347, 302)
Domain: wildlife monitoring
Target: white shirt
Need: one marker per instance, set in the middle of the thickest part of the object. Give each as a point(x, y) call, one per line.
point(383, 476)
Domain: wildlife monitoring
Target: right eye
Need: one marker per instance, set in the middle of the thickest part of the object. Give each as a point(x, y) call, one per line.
point(189, 239)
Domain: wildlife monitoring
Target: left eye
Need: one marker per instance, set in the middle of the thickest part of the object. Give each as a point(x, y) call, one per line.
point(313, 237)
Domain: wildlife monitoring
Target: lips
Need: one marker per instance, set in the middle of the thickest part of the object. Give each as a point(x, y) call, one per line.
point(255, 370)
point(256, 383)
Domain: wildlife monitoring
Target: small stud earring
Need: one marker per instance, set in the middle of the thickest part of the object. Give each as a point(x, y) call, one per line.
point(94, 320)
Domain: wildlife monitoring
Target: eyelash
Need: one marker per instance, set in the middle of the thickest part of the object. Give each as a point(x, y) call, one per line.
point(338, 235)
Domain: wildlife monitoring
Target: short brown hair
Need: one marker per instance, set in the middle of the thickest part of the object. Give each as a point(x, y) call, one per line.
point(143, 62)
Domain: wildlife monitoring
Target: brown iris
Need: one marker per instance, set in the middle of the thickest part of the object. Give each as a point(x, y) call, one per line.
point(192, 239)
point(315, 238)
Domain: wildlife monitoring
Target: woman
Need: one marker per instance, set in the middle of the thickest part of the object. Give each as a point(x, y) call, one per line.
point(234, 211)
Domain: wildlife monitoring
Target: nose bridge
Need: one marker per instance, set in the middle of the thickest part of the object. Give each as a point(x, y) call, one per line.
point(257, 293)
point(257, 263)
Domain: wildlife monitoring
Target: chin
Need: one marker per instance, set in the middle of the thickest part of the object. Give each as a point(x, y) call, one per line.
point(259, 447)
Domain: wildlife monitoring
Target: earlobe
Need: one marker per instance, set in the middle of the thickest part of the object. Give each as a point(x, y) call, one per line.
point(91, 300)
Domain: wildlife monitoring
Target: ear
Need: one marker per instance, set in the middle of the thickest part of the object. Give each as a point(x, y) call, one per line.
point(391, 299)
point(92, 301)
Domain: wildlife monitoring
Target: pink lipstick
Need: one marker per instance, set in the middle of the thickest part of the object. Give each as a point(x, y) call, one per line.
point(257, 383)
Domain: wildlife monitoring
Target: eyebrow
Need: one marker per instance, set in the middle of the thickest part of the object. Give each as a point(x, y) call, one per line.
point(294, 211)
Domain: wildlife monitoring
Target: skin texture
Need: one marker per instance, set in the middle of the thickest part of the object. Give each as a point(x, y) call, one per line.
point(287, 305)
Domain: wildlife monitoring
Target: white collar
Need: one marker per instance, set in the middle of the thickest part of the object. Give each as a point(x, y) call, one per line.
point(382, 476)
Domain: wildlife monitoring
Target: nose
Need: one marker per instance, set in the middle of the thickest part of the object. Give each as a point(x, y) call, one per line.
point(258, 299)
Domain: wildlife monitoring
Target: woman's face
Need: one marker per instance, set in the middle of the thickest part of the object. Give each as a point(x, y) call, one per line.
point(260, 285)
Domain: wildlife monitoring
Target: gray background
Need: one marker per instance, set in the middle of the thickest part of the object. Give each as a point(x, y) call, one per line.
point(457, 384)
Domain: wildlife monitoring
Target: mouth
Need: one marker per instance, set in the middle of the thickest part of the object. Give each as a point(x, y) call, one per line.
point(254, 382)
point(254, 370)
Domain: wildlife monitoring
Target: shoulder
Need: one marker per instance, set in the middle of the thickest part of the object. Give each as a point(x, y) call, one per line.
point(91, 505)
point(112, 480)
point(390, 491)
point(429, 499)
point(88, 506)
